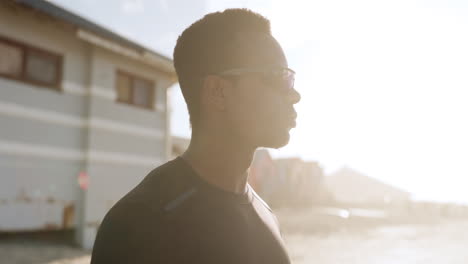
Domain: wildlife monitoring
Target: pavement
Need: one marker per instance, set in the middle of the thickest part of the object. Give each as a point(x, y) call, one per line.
point(325, 236)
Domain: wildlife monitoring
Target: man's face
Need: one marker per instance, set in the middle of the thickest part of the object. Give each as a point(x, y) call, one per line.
point(259, 110)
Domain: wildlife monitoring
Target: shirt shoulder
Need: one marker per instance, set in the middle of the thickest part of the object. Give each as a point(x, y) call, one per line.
point(140, 219)
point(158, 190)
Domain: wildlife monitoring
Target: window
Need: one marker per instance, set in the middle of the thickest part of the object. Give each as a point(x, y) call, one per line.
point(11, 58)
point(134, 90)
point(29, 64)
point(41, 67)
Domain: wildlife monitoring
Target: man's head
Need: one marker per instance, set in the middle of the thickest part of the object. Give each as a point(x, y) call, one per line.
point(235, 78)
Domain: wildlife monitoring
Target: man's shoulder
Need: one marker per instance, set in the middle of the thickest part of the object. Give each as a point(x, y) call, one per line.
point(154, 193)
point(138, 219)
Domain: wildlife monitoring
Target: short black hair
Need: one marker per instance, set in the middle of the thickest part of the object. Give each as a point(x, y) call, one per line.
point(207, 46)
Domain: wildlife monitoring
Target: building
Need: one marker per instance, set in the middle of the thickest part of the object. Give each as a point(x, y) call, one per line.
point(262, 173)
point(301, 181)
point(80, 106)
point(351, 187)
point(287, 181)
point(313, 188)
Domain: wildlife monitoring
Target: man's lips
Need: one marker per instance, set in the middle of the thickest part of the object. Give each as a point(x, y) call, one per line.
point(292, 119)
point(292, 123)
point(293, 115)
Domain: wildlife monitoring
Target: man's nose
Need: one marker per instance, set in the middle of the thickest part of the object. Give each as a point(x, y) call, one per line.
point(294, 96)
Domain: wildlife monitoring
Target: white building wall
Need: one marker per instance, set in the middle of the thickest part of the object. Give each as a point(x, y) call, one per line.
point(130, 163)
point(42, 135)
point(52, 136)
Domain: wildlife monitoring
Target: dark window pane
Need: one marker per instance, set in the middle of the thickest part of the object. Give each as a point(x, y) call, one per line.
point(41, 68)
point(142, 92)
point(123, 84)
point(11, 59)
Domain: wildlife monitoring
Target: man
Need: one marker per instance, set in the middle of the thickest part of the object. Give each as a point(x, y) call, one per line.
point(199, 208)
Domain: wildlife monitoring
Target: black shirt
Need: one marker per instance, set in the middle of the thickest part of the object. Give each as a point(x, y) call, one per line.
point(174, 216)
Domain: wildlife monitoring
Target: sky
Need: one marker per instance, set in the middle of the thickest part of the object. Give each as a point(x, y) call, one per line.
point(384, 84)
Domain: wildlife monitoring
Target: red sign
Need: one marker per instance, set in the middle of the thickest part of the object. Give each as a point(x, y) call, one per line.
point(83, 180)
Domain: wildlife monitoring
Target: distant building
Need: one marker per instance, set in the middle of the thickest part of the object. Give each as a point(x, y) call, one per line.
point(351, 187)
point(79, 106)
point(302, 181)
point(314, 188)
point(262, 174)
point(290, 174)
point(287, 181)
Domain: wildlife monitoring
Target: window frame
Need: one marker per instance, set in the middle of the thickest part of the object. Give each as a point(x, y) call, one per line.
point(25, 48)
point(132, 77)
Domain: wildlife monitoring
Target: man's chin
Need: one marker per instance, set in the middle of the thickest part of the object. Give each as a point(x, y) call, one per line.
point(277, 142)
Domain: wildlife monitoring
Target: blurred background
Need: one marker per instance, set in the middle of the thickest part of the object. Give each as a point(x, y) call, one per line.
point(375, 170)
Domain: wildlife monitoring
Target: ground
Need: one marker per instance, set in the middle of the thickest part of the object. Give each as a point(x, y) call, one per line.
point(406, 244)
point(324, 241)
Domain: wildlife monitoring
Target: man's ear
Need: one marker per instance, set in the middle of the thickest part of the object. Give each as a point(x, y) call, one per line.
point(213, 92)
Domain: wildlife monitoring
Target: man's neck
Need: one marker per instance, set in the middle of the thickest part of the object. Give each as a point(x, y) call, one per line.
point(220, 162)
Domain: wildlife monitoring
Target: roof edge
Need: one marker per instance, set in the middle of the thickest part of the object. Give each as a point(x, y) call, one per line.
point(61, 13)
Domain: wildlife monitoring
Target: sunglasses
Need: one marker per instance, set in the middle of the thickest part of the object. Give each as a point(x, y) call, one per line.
point(277, 77)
